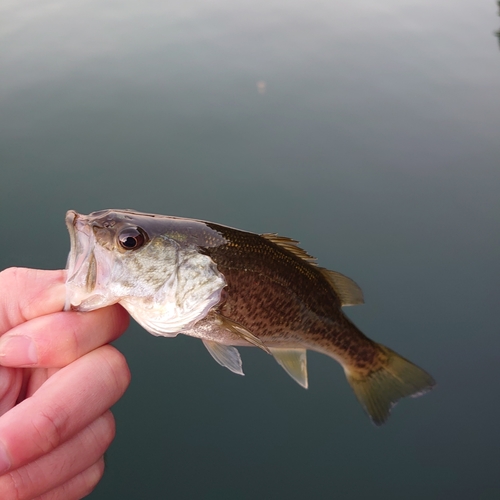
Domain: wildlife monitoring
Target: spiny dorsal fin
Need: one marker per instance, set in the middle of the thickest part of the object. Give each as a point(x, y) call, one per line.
point(290, 245)
point(294, 361)
point(225, 355)
point(349, 292)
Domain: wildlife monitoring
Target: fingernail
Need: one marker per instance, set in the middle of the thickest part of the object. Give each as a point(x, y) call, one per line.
point(5, 462)
point(17, 351)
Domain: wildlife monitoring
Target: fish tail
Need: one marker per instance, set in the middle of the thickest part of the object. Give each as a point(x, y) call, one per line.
point(394, 378)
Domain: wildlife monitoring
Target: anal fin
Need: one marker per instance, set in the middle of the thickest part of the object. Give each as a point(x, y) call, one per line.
point(294, 362)
point(225, 355)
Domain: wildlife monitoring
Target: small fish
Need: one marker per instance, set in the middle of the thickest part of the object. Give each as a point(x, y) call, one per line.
point(232, 288)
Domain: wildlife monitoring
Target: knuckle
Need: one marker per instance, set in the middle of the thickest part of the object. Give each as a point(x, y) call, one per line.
point(14, 273)
point(73, 347)
point(48, 429)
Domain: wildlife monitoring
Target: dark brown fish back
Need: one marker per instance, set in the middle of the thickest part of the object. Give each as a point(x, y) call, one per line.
point(279, 294)
point(249, 252)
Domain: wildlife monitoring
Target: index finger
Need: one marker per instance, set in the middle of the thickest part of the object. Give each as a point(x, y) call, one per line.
point(29, 293)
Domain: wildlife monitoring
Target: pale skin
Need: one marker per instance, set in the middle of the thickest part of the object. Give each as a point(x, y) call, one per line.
point(58, 379)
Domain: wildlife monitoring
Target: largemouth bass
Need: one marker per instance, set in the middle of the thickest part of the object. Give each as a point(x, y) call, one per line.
point(232, 288)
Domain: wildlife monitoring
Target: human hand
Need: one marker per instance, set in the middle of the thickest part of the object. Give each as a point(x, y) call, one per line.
point(58, 380)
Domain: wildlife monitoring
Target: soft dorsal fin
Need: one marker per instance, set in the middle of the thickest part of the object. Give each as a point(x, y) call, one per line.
point(349, 292)
point(225, 355)
point(290, 245)
point(294, 361)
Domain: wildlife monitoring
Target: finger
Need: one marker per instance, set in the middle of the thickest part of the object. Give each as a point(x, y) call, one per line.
point(28, 293)
point(10, 386)
point(62, 464)
point(79, 486)
point(37, 377)
point(57, 339)
point(65, 404)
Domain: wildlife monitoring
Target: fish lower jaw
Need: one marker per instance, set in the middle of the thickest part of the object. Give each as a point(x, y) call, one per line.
point(82, 302)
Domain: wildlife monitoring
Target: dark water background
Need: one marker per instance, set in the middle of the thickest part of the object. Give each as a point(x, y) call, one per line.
point(369, 131)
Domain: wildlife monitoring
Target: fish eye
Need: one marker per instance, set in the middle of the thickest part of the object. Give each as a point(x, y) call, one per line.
point(131, 238)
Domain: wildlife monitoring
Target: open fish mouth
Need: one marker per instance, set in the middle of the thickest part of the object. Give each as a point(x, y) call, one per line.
point(81, 264)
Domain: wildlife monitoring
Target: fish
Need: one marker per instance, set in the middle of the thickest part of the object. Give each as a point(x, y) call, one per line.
point(232, 288)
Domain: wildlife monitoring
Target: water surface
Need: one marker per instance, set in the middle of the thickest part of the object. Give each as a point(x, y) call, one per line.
point(368, 131)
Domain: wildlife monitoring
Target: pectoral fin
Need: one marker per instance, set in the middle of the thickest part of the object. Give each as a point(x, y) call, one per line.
point(294, 361)
point(225, 355)
point(241, 331)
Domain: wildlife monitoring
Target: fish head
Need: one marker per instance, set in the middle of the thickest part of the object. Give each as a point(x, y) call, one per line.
point(148, 264)
point(112, 256)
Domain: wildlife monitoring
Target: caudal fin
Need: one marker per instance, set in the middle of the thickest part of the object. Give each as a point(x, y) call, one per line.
point(380, 390)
